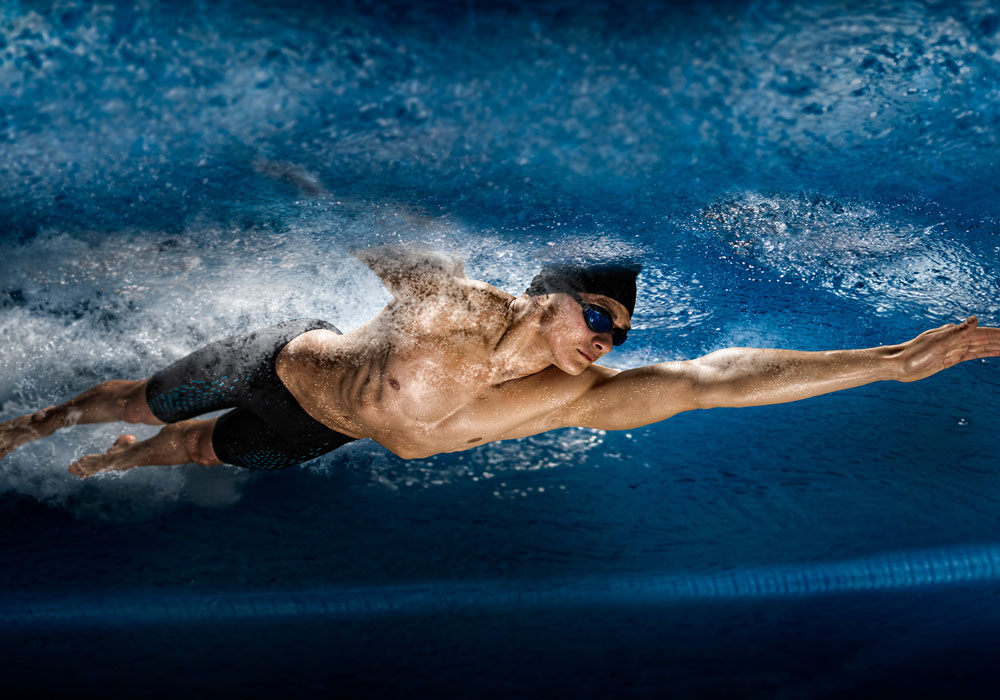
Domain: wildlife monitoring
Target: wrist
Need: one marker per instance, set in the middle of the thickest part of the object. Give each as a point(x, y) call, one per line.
point(888, 361)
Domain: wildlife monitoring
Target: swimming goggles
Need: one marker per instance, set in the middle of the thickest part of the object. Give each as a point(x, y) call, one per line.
point(600, 320)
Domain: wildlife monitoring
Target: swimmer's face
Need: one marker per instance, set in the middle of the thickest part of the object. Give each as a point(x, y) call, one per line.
point(574, 345)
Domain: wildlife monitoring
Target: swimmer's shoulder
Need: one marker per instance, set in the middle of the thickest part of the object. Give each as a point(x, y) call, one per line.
point(483, 295)
point(314, 343)
point(481, 306)
point(413, 273)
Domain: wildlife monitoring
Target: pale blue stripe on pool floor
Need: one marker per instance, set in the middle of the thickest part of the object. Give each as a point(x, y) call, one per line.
point(878, 573)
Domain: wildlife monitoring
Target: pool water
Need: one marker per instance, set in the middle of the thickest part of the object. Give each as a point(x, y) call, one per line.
point(797, 175)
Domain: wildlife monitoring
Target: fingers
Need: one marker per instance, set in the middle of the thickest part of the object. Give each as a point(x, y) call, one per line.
point(969, 322)
point(981, 342)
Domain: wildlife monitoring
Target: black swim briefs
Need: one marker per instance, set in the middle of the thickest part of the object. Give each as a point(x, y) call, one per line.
point(267, 428)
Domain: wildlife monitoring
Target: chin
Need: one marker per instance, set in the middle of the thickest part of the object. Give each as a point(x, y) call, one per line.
point(572, 368)
point(577, 367)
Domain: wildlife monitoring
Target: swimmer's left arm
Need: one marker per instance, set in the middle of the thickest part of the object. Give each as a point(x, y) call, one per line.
point(737, 377)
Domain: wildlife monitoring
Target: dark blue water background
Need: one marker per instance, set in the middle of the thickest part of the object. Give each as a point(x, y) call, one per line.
point(798, 175)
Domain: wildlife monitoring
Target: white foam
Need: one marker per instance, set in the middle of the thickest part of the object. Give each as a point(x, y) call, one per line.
point(124, 304)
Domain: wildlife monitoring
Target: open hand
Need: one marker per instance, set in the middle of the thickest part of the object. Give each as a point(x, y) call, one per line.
point(941, 348)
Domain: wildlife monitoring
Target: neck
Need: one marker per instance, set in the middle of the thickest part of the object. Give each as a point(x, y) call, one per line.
point(520, 350)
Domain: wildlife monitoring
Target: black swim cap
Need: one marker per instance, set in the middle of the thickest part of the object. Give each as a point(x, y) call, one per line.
point(615, 281)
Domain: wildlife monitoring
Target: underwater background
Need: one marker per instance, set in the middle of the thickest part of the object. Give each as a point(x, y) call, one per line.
point(792, 174)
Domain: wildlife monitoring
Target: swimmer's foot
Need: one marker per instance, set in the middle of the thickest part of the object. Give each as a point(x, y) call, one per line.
point(88, 465)
point(25, 429)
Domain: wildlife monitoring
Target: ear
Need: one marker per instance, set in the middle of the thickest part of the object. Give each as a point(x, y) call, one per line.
point(545, 306)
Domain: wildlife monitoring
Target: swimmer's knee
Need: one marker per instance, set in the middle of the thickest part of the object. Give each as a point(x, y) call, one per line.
point(197, 436)
point(135, 407)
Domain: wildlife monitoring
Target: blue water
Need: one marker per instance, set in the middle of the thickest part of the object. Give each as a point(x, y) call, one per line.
point(799, 175)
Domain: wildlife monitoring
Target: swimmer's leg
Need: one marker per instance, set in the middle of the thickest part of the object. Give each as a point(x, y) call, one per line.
point(116, 400)
point(177, 443)
point(215, 377)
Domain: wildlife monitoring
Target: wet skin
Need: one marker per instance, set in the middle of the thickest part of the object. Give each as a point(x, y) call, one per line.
point(452, 363)
point(460, 367)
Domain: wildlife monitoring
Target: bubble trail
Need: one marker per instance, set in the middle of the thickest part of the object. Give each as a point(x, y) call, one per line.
point(889, 572)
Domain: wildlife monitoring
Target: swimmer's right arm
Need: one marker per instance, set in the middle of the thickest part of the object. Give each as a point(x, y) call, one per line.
point(411, 271)
point(733, 377)
point(739, 377)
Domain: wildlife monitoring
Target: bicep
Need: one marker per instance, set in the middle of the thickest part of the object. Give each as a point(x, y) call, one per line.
point(636, 397)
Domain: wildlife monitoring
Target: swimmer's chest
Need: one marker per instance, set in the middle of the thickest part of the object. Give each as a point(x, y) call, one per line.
point(430, 391)
point(429, 382)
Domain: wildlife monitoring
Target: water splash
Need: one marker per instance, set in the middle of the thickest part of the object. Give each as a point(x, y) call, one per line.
point(82, 307)
point(854, 250)
point(492, 462)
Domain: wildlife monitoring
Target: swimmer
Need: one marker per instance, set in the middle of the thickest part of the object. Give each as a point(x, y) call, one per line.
point(452, 363)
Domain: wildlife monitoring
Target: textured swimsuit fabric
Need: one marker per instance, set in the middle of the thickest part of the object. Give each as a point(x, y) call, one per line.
point(267, 428)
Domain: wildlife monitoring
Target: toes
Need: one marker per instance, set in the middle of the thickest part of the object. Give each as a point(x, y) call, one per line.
point(87, 465)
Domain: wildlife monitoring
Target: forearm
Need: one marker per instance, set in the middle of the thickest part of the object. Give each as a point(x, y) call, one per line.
point(755, 377)
point(737, 377)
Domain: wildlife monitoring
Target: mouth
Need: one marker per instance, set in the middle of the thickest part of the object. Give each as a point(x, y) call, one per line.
point(589, 358)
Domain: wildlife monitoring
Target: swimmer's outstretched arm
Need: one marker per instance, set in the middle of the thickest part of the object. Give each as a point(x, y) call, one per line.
point(736, 377)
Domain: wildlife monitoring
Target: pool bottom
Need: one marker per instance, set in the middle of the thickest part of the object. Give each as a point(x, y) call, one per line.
point(872, 643)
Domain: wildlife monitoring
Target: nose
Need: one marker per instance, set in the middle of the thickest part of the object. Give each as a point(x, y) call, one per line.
point(601, 345)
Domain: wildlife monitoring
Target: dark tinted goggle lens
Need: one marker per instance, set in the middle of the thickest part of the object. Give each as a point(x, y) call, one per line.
point(599, 321)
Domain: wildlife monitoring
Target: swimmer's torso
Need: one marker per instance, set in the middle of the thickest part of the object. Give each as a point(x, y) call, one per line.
point(420, 379)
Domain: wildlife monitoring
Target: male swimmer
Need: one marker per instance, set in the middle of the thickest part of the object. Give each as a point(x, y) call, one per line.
point(451, 363)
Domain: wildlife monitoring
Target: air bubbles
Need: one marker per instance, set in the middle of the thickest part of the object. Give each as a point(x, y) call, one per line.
point(853, 249)
point(511, 467)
